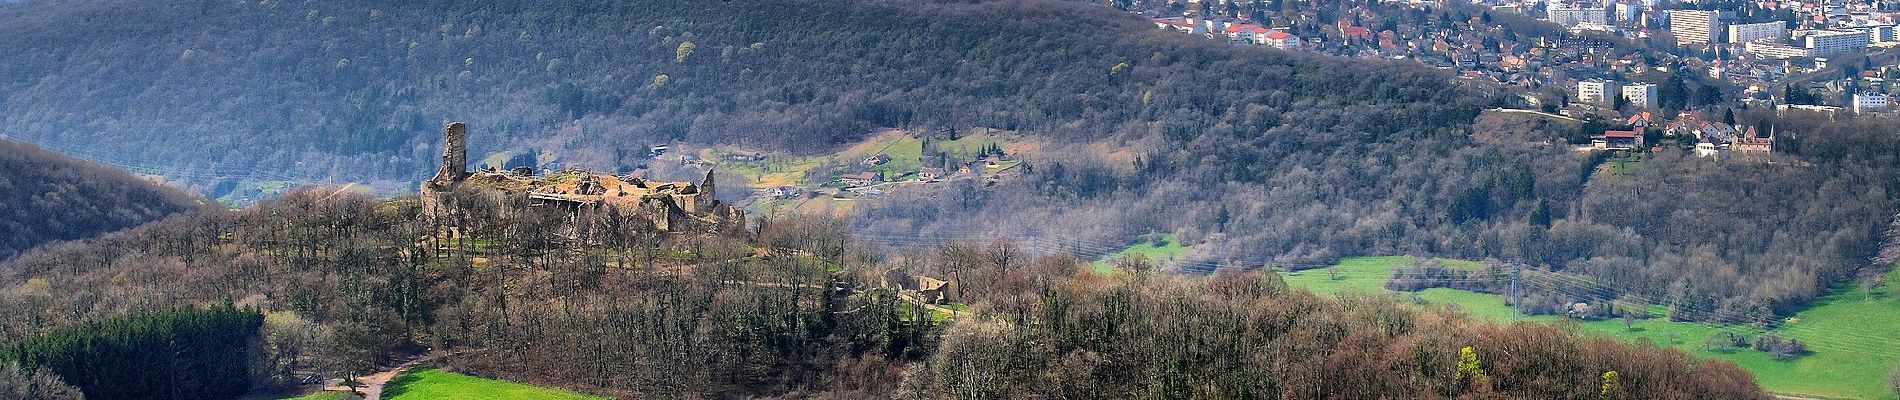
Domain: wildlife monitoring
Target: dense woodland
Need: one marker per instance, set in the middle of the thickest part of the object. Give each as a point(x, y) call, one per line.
point(790, 308)
point(186, 353)
point(51, 197)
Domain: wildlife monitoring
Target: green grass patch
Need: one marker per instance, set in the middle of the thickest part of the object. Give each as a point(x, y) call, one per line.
point(1481, 305)
point(327, 395)
point(1161, 251)
point(1352, 274)
point(958, 307)
point(251, 192)
point(430, 383)
point(1848, 333)
point(904, 148)
point(1851, 334)
point(935, 315)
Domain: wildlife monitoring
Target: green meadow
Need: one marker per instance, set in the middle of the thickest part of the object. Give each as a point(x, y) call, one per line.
point(1161, 250)
point(1850, 334)
point(430, 383)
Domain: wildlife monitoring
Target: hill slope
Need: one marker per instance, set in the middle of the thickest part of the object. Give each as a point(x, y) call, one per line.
point(795, 309)
point(1273, 157)
point(353, 90)
point(52, 197)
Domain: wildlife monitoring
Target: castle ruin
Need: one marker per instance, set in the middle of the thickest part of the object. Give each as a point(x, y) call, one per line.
point(671, 206)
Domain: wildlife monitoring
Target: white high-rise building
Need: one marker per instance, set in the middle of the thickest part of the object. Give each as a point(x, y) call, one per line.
point(1572, 15)
point(1640, 95)
point(1695, 26)
point(1596, 91)
point(1833, 41)
point(1744, 33)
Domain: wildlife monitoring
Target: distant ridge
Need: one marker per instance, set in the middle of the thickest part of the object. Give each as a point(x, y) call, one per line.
point(51, 197)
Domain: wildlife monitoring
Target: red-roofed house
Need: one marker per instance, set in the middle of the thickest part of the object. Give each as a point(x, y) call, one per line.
point(1622, 140)
point(1252, 33)
point(1639, 120)
point(1356, 34)
point(858, 179)
point(1283, 40)
point(1752, 142)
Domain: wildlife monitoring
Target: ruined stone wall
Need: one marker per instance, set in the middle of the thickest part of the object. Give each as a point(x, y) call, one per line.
point(454, 155)
point(706, 198)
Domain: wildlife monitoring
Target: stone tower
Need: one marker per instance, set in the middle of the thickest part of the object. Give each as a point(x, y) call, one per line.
point(454, 156)
point(705, 197)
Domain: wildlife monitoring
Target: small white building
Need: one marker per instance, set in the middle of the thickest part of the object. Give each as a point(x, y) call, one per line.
point(1870, 102)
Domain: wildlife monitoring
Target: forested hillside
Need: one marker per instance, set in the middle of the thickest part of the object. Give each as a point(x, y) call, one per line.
point(1256, 156)
point(51, 197)
point(351, 90)
point(793, 308)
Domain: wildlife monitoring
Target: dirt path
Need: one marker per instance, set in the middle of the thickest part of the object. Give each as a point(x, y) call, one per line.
point(373, 383)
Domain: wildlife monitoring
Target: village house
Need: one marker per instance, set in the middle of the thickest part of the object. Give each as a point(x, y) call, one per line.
point(930, 173)
point(1752, 142)
point(1622, 140)
point(747, 156)
point(1282, 40)
point(858, 179)
point(784, 192)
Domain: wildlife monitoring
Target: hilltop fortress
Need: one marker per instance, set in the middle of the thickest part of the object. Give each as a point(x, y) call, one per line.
point(671, 206)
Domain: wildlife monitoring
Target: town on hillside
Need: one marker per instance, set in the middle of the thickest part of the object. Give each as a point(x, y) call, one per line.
point(1667, 66)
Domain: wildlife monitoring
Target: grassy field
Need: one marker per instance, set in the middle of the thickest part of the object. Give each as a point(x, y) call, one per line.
point(430, 383)
point(1161, 252)
point(1849, 334)
point(822, 205)
point(903, 148)
point(247, 193)
point(1353, 274)
point(774, 171)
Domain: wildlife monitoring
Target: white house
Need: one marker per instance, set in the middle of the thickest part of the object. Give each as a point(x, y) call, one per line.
point(1283, 40)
